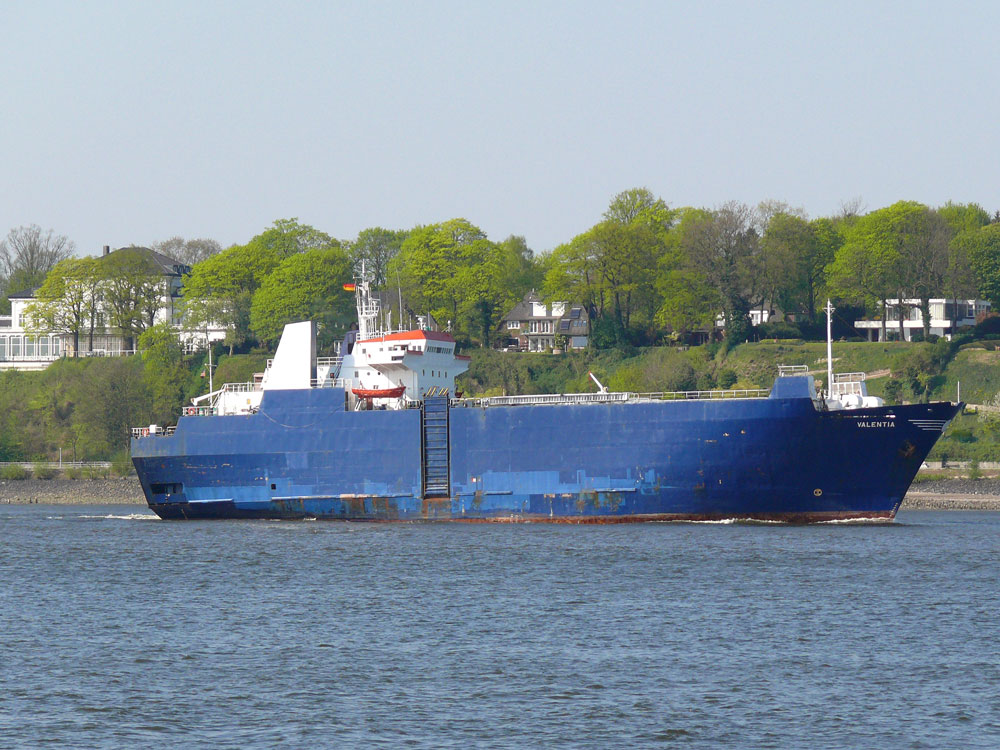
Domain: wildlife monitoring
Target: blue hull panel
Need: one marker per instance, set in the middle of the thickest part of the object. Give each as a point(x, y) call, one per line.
point(303, 456)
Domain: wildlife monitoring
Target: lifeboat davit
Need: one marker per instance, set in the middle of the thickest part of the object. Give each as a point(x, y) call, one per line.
point(378, 392)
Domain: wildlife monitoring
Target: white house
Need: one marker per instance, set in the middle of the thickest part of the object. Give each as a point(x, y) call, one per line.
point(23, 349)
point(964, 311)
point(19, 350)
point(534, 325)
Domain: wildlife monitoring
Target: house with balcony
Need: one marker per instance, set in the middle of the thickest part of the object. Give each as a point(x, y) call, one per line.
point(23, 347)
point(947, 315)
point(19, 348)
point(535, 326)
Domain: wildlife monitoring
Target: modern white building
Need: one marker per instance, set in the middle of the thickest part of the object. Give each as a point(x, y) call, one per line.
point(965, 312)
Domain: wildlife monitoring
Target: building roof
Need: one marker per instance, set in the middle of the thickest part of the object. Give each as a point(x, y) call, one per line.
point(167, 266)
point(24, 293)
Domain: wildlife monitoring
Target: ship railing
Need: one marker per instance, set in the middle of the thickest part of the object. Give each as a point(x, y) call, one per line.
point(326, 382)
point(784, 370)
point(848, 383)
point(240, 387)
point(153, 431)
point(198, 411)
point(320, 361)
point(705, 395)
point(606, 398)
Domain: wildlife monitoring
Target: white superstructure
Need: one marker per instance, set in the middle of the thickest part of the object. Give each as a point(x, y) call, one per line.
point(374, 358)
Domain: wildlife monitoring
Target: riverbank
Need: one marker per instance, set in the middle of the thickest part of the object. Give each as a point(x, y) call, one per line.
point(940, 494)
point(72, 492)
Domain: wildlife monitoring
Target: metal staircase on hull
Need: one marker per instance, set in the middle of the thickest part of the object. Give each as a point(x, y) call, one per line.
point(434, 418)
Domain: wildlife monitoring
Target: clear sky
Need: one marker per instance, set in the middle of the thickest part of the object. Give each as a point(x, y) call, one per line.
point(131, 122)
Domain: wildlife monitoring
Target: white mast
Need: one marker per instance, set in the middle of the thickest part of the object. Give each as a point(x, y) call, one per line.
point(368, 323)
point(829, 348)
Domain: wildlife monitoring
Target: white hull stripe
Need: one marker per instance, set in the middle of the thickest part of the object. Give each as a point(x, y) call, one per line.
point(931, 425)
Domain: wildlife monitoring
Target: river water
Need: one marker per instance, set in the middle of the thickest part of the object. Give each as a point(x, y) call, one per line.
point(119, 630)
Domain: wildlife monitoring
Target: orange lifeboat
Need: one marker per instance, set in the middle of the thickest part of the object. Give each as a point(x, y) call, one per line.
point(378, 392)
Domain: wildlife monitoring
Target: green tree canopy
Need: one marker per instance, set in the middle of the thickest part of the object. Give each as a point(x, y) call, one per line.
point(163, 371)
point(132, 290)
point(982, 248)
point(305, 286)
point(431, 264)
point(725, 248)
point(376, 247)
point(220, 289)
point(65, 302)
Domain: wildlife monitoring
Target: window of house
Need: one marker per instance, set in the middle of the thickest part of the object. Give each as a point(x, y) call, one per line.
point(3, 348)
point(513, 324)
point(43, 346)
point(56, 346)
point(15, 346)
point(29, 346)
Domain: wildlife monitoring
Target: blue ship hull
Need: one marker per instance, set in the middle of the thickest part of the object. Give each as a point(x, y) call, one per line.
point(302, 455)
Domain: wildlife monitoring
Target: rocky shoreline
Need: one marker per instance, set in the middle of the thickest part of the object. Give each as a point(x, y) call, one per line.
point(941, 494)
point(72, 492)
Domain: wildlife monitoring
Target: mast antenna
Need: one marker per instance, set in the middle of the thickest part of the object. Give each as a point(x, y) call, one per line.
point(829, 348)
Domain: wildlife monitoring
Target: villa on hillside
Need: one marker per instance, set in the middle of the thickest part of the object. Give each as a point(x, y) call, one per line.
point(964, 312)
point(534, 326)
point(23, 349)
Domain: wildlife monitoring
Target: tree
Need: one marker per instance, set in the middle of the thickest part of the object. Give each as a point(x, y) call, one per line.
point(725, 247)
point(27, 254)
point(788, 263)
point(220, 289)
point(133, 290)
point(872, 263)
point(926, 258)
point(964, 216)
point(430, 264)
point(305, 286)
point(65, 302)
point(768, 209)
point(982, 248)
point(491, 288)
point(610, 268)
point(116, 400)
point(685, 299)
point(376, 247)
point(163, 371)
point(640, 206)
point(188, 252)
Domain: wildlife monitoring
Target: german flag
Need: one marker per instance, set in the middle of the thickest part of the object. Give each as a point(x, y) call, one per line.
point(349, 287)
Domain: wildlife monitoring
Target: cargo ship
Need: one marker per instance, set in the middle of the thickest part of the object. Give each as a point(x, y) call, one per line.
point(379, 434)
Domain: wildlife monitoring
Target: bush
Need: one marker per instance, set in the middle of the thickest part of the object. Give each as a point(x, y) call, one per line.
point(73, 472)
point(974, 472)
point(96, 472)
point(779, 329)
point(43, 471)
point(121, 464)
point(893, 392)
point(15, 472)
point(987, 326)
point(963, 435)
point(727, 378)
